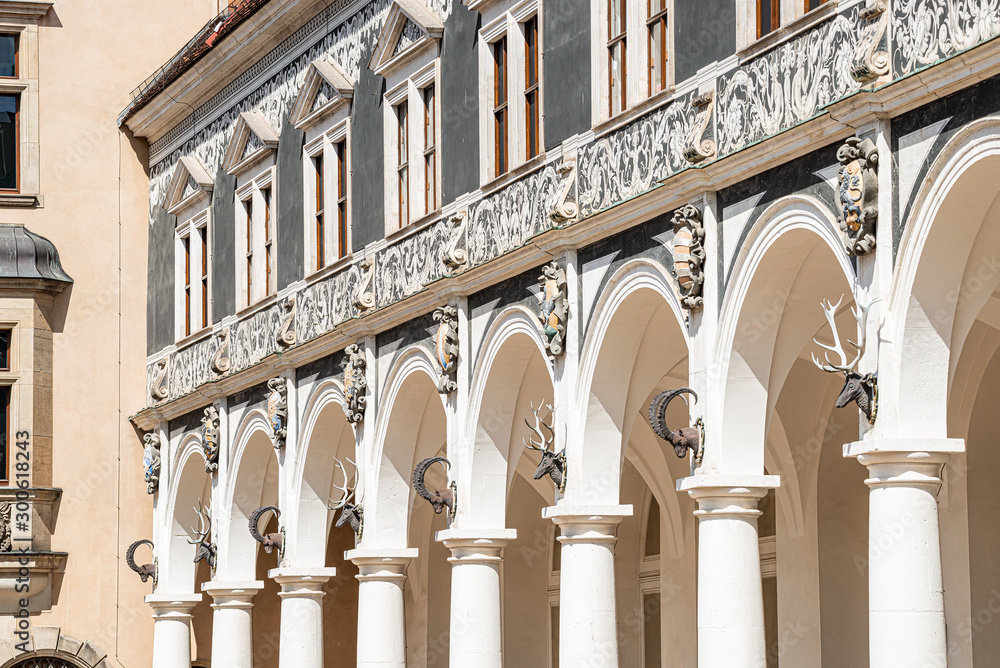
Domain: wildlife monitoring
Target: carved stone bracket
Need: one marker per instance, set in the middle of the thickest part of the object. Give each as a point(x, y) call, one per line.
point(859, 194)
point(871, 57)
point(160, 391)
point(553, 307)
point(210, 439)
point(455, 257)
point(689, 255)
point(220, 360)
point(700, 144)
point(6, 531)
point(355, 383)
point(286, 333)
point(277, 411)
point(565, 208)
point(151, 461)
point(364, 296)
point(446, 347)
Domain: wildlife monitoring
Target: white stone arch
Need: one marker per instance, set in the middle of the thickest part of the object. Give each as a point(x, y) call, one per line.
point(406, 431)
point(762, 331)
point(497, 406)
point(189, 483)
point(325, 433)
point(635, 293)
point(946, 271)
point(251, 482)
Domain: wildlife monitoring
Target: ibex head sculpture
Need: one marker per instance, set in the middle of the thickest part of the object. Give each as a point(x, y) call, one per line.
point(439, 498)
point(681, 439)
point(553, 464)
point(145, 571)
point(350, 510)
point(206, 550)
point(271, 540)
point(862, 389)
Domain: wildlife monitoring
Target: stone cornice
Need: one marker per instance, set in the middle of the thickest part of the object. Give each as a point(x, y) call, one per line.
point(23, 10)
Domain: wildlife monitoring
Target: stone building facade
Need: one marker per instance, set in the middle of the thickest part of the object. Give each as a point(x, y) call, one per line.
point(384, 232)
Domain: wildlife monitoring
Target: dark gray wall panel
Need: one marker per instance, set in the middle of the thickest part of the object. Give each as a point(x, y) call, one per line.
point(367, 158)
point(566, 79)
point(704, 31)
point(459, 103)
point(223, 246)
point(291, 225)
point(160, 281)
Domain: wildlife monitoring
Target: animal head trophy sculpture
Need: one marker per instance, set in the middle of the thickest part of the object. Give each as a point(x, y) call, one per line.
point(439, 498)
point(145, 571)
point(862, 389)
point(553, 463)
point(206, 550)
point(271, 540)
point(350, 510)
point(683, 439)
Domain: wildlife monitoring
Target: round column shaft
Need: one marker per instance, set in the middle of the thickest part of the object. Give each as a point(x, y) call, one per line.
point(381, 616)
point(232, 622)
point(301, 644)
point(172, 629)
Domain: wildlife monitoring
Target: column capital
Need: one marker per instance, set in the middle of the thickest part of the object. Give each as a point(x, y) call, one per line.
point(727, 495)
point(382, 564)
point(301, 582)
point(235, 594)
point(585, 523)
point(904, 449)
point(172, 606)
point(475, 545)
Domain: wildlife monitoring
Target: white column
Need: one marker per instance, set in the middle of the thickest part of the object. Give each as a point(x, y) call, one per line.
point(476, 638)
point(172, 629)
point(906, 624)
point(381, 617)
point(588, 622)
point(232, 622)
point(730, 596)
point(301, 644)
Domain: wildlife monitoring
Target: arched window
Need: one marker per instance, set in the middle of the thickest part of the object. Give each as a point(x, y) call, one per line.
point(45, 662)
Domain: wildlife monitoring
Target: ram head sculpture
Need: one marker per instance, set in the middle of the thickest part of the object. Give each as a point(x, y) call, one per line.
point(206, 550)
point(862, 389)
point(439, 498)
point(145, 571)
point(270, 541)
point(350, 509)
point(552, 464)
point(683, 439)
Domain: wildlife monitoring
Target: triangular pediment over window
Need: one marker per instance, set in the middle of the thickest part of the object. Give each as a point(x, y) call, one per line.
point(189, 181)
point(325, 90)
point(253, 140)
point(409, 28)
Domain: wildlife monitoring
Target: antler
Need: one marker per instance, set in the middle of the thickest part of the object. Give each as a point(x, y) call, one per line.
point(348, 494)
point(860, 313)
point(204, 524)
point(543, 443)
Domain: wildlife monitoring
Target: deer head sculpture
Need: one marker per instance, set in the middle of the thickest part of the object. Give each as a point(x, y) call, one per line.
point(206, 550)
point(145, 571)
point(439, 498)
point(553, 464)
point(862, 389)
point(350, 510)
point(271, 540)
point(683, 439)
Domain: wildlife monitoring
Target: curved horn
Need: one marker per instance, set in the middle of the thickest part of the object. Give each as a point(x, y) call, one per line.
point(255, 518)
point(130, 554)
point(658, 410)
point(421, 470)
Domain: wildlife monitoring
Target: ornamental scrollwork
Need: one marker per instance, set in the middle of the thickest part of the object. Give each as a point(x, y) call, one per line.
point(160, 390)
point(210, 439)
point(364, 296)
point(564, 209)
point(689, 255)
point(455, 256)
point(553, 307)
point(151, 461)
point(871, 60)
point(859, 194)
point(700, 143)
point(220, 359)
point(6, 533)
point(277, 411)
point(355, 383)
point(446, 347)
point(286, 333)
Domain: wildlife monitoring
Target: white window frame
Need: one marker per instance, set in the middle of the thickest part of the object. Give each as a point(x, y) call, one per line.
point(506, 19)
point(410, 89)
point(190, 229)
point(790, 12)
point(322, 141)
point(251, 190)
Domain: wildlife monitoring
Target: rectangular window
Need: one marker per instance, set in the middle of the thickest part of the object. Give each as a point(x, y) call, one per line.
point(9, 105)
point(340, 148)
point(4, 350)
point(265, 194)
point(403, 164)
point(531, 86)
point(500, 105)
point(318, 198)
point(187, 285)
point(8, 56)
point(768, 16)
point(4, 438)
point(617, 93)
point(658, 38)
point(813, 4)
point(203, 237)
point(430, 151)
point(248, 206)
point(651, 629)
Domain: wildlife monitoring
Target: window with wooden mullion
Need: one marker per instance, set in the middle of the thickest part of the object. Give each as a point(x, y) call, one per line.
point(813, 4)
point(187, 285)
point(248, 206)
point(318, 198)
point(268, 239)
point(617, 70)
point(531, 87)
point(500, 105)
point(203, 236)
point(768, 16)
point(430, 151)
point(658, 39)
point(403, 164)
point(340, 148)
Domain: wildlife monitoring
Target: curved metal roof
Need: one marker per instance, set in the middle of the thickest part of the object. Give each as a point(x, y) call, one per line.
point(24, 254)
